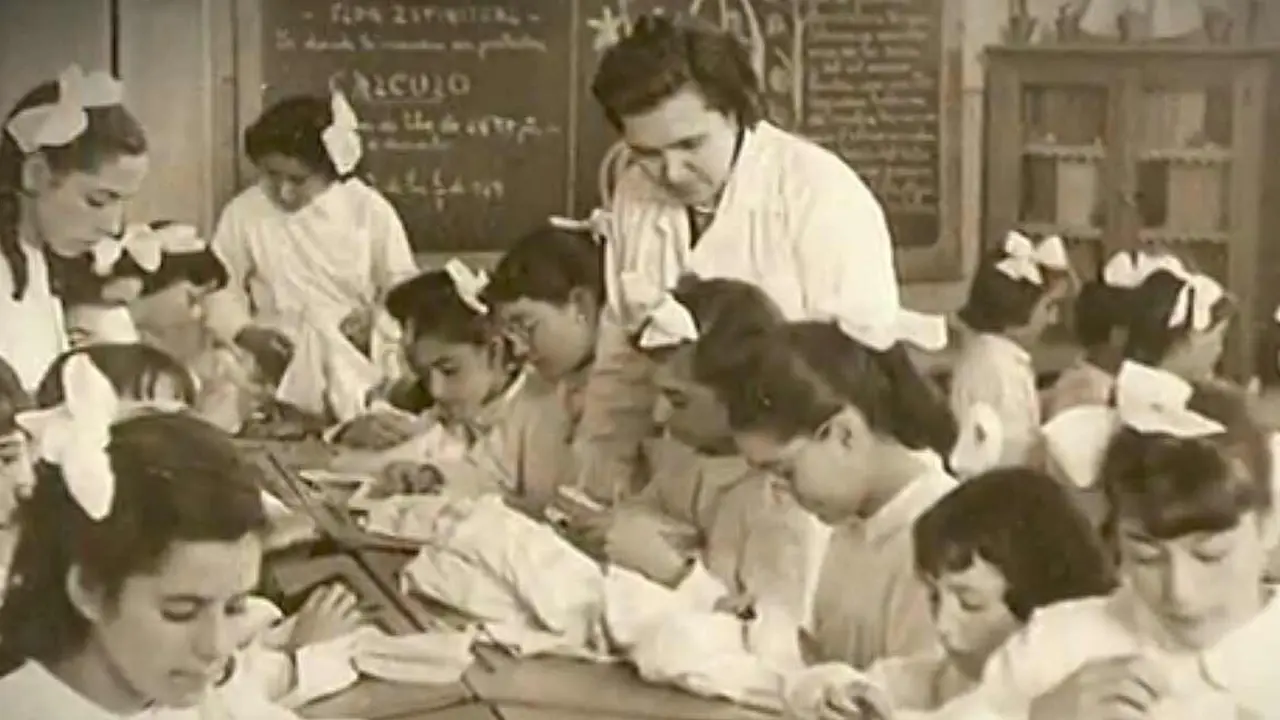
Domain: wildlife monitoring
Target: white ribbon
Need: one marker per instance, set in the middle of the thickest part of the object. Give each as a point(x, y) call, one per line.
point(58, 123)
point(1194, 305)
point(468, 283)
point(75, 435)
point(342, 138)
point(599, 224)
point(1148, 400)
point(1025, 259)
point(665, 321)
point(146, 246)
point(980, 442)
point(1128, 270)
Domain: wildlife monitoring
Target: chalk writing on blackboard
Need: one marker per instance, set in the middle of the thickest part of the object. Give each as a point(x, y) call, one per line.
point(467, 157)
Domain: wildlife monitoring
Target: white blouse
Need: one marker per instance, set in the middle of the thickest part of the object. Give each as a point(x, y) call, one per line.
point(34, 331)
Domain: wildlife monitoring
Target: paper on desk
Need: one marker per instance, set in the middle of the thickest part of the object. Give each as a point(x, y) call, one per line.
point(430, 658)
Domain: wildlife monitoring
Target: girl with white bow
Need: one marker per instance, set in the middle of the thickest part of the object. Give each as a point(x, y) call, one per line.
point(1191, 629)
point(704, 510)
point(71, 156)
point(492, 427)
point(1102, 327)
point(310, 247)
point(138, 551)
point(839, 413)
point(1013, 299)
point(1179, 321)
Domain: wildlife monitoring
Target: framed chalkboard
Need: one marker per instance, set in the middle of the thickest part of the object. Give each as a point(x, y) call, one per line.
point(479, 120)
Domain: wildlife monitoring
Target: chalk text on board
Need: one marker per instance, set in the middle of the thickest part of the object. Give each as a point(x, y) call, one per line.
point(399, 87)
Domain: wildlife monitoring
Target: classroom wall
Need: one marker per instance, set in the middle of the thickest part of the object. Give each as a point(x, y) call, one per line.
point(177, 58)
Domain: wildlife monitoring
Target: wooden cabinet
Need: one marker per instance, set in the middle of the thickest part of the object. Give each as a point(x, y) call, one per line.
point(1120, 147)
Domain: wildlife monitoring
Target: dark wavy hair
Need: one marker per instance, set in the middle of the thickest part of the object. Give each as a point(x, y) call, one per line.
point(178, 479)
point(112, 132)
point(293, 128)
point(1025, 525)
point(661, 56)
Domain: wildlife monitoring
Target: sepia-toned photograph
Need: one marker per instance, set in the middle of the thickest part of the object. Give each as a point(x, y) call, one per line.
point(639, 360)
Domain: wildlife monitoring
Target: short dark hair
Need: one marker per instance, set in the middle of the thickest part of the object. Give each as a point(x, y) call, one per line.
point(997, 302)
point(135, 370)
point(177, 479)
point(1100, 310)
point(661, 57)
point(293, 127)
point(1150, 337)
point(1177, 486)
point(1025, 525)
point(547, 265)
point(428, 304)
point(793, 380)
point(112, 132)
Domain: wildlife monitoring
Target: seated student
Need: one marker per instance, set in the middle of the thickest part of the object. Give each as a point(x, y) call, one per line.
point(137, 554)
point(492, 427)
point(141, 374)
point(988, 573)
point(1012, 300)
point(311, 248)
point(1191, 629)
point(838, 411)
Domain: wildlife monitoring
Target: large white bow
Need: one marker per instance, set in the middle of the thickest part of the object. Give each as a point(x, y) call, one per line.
point(146, 246)
point(665, 321)
point(599, 224)
point(75, 435)
point(342, 138)
point(468, 283)
point(1148, 400)
point(1128, 270)
point(1025, 259)
point(58, 123)
point(1194, 304)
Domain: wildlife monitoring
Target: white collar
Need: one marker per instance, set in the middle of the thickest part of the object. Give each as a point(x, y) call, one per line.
point(922, 492)
point(1003, 346)
point(32, 692)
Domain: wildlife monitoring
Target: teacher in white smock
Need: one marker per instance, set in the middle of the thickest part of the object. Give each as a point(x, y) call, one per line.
point(309, 247)
point(715, 190)
point(71, 156)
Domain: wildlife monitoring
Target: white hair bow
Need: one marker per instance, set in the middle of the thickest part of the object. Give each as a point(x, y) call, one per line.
point(146, 246)
point(1025, 259)
point(58, 123)
point(468, 283)
point(1128, 270)
point(75, 435)
point(666, 322)
point(1148, 400)
point(980, 442)
point(1195, 302)
point(599, 223)
point(927, 332)
point(342, 138)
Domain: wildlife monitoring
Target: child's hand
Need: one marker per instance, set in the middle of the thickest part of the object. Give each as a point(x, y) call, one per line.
point(357, 327)
point(329, 612)
point(378, 431)
point(271, 350)
point(859, 700)
point(405, 478)
point(1125, 687)
point(739, 605)
point(637, 540)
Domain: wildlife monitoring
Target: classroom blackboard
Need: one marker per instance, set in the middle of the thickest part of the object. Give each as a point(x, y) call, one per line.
point(480, 121)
